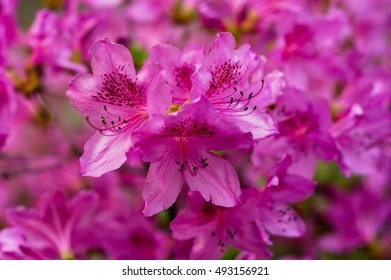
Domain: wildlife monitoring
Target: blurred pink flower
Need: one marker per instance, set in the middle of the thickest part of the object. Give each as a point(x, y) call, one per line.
point(214, 228)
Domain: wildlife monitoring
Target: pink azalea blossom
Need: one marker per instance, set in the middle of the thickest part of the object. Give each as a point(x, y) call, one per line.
point(57, 224)
point(124, 233)
point(362, 137)
point(53, 38)
point(178, 147)
point(357, 218)
point(115, 102)
point(213, 228)
point(283, 189)
point(132, 238)
point(304, 126)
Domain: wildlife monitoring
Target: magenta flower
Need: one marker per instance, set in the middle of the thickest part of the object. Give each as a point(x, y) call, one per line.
point(53, 39)
point(304, 126)
point(115, 102)
point(57, 225)
point(178, 147)
point(213, 228)
point(370, 91)
point(124, 233)
point(283, 189)
point(134, 238)
point(361, 136)
point(357, 218)
point(224, 78)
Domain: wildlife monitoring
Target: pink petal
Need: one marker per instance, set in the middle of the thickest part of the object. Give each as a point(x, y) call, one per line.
point(185, 225)
point(104, 153)
point(221, 49)
point(260, 125)
point(217, 182)
point(108, 57)
point(163, 185)
point(205, 248)
point(279, 219)
point(158, 96)
point(81, 89)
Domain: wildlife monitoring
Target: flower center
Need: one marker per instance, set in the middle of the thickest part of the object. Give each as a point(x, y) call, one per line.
point(183, 133)
point(119, 91)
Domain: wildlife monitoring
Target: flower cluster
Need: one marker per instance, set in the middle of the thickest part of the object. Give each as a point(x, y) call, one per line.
point(195, 129)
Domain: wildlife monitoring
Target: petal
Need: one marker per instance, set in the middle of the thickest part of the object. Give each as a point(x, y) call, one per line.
point(185, 225)
point(292, 189)
point(217, 182)
point(81, 90)
point(83, 206)
point(279, 219)
point(163, 185)
point(148, 140)
point(260, 125)
point(304, 165)
point(250, 238)
point(108, 57)
point(32, 226)
point(201, 81)
point(192, 54)
point(55, 211)
point(221, 49)
point(165, 55)
point(205, 248)
point(158, 96)
point(104, 153)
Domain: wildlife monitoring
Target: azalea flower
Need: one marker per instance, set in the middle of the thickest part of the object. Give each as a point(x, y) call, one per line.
point(115, 101)
point(214, 228)
point(57, 225)
point(282, 189)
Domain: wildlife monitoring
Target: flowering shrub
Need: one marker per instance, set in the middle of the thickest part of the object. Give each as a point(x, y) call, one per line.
point(204, 129)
